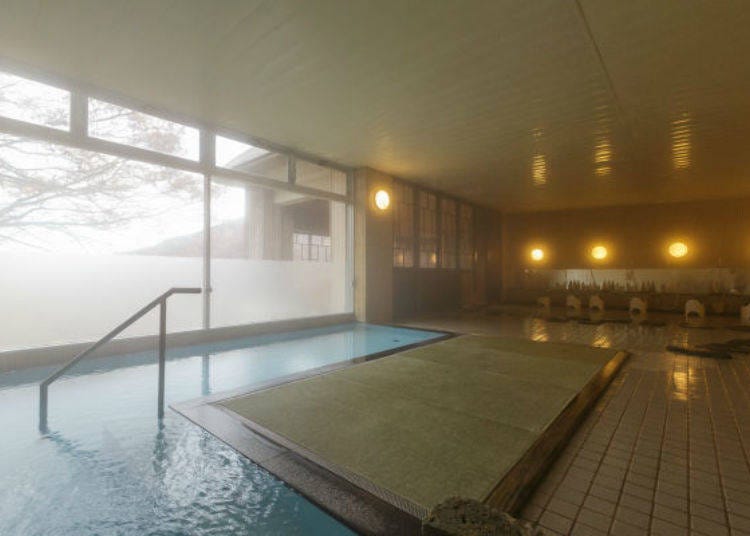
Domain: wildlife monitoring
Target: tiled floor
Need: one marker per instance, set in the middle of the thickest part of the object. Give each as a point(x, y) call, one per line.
point(666, 448)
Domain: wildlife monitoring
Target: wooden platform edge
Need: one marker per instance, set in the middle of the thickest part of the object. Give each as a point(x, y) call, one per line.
point(350, 504)
point(510, 494)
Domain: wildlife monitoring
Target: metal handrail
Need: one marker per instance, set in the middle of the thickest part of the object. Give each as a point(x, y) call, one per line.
point(162, 302)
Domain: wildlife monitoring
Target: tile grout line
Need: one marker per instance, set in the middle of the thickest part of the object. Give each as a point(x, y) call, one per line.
point(709, 406)
point(632, 455)
point(738, 429)
point(578, 450)
point(744, 394)
point(609, 397)
point(688, 414)
point(609, 443)
point(669, 384)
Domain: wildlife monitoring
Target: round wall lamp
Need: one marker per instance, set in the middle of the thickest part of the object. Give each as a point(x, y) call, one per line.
point(537, 254)
point(382, 199)
point(599, 253)
point(678, 249)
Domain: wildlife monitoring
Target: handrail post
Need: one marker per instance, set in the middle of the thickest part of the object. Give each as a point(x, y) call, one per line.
point(162, 353)
point(161, 301)
point(43, 408)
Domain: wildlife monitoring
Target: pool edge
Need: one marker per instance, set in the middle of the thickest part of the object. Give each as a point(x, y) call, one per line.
point(348, 503)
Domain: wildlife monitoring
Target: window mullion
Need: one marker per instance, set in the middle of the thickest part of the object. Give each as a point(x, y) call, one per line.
point(79, 116)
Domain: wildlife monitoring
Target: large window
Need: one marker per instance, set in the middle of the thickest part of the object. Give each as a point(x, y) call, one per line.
point(27, 100)
point(233, 154)
point(86, 239)
point(312, 247)
point(90, 232)
point(123, 125)
point(320, 177)
point(275, 254)
point(403, 226)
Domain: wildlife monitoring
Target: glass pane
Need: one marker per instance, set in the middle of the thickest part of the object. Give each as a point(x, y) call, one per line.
point(465, 237)
point(232, 154)
point(321, 177)
point(403, 226)
point(427, 230)
point(26, 100)
point(129, 127)
point(448, 233)
point(88, 239)
point(275, 255)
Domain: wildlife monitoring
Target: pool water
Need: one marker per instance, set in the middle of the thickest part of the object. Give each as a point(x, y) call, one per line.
point(109, 467)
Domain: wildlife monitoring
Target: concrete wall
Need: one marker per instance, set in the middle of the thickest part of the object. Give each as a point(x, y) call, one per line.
point(373, 249)
point(636, 237)
point(488, 232)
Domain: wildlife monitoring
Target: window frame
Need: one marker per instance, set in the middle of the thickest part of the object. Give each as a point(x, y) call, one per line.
point(77, 136)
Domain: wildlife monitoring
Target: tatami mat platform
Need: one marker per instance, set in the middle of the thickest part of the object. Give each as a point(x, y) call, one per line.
point(475, 416)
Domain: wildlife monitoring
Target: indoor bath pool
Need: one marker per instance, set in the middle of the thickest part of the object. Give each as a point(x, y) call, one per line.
point(108, 466)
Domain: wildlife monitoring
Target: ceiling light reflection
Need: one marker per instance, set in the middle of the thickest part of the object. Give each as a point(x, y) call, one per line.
point(539, 170)
point(602, 157)
point(681, 142)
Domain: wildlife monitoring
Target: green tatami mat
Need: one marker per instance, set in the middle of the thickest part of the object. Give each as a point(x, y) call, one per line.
point(446, 419)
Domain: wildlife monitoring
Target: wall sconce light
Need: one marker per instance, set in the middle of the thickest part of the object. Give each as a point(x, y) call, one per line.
point(599, 253)
point(382, 199)
point(537, 254)
point(678, 249)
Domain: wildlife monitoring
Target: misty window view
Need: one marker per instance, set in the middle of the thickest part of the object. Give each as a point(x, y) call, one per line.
point(320, 177)
point(230, 153)
point(30, 101)
point(122, 125)
point(260, 269)
point(84, 236)
point(89, 238)
point(233, 154)
point(309, 247)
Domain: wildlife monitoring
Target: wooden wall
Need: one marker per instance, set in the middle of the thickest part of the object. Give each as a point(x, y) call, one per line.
point(636, 237)
point(423, 291)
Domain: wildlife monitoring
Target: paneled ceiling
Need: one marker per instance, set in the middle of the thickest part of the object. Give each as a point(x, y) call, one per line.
point(518, 105)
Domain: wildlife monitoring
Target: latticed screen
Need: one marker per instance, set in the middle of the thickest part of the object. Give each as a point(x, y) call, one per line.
point(448, 233)
point(431, 230)
point(465, 237)
point(428, 237)
point(403, 226)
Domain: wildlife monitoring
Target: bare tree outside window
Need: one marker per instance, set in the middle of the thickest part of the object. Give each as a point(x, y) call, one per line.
point(55, 197)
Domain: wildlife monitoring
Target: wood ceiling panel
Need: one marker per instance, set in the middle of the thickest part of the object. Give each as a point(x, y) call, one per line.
point(518, 105)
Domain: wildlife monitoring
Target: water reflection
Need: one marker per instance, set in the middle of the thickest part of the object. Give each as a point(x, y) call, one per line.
point(602, 340)
point(110, 467)
point(538, 331)
point(680, 385)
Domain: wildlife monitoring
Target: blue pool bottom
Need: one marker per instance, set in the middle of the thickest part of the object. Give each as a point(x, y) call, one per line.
point(108, 466)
